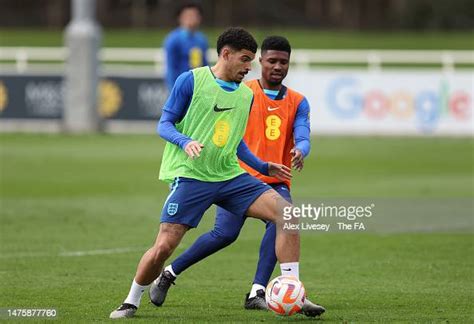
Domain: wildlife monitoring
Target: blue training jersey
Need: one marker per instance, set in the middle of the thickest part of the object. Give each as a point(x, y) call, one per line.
point(185, 50)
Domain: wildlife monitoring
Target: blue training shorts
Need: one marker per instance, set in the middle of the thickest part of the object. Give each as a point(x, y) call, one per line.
point(227, 220)
point(190, 198)
point(229, 224)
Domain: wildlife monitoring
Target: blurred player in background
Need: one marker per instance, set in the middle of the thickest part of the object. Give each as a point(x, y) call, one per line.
point(185, 47)
point(278, 130)
point(204, 122)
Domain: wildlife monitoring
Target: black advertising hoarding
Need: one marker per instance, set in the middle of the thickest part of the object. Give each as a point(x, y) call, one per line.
point(24, 96)
point(119, 98)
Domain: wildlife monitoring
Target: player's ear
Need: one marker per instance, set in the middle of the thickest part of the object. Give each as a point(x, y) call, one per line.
point(225, 53)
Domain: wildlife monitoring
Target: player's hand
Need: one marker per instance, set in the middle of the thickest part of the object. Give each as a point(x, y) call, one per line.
point(297, 160)
point(279, 171)
point(193, 149)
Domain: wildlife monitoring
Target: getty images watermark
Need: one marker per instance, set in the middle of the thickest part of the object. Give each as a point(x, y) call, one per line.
point(325, 217)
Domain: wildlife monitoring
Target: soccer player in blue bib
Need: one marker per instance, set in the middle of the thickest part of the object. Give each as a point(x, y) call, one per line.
point(185, 47)
point(204, 122)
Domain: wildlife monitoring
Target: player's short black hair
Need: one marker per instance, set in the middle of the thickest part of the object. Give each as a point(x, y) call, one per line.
point(189, 5)
point(238, 39)
point(276, 43)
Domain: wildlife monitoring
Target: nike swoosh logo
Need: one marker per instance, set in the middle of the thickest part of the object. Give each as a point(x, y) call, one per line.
point(272, 108)
point(289, 269)
point(217, 109)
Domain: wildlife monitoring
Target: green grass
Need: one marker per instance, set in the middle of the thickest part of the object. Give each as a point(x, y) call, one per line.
point(300, 38)
point(63, 194)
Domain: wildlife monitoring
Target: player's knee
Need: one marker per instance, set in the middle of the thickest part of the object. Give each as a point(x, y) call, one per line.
point(225, 238)
point(281, 212)
point(229, 238)
point(162, 250)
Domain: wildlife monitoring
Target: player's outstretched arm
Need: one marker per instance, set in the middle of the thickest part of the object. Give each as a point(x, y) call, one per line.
point(246, 156)
point(278, 171)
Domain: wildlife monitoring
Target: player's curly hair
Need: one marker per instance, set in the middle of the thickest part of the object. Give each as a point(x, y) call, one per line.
point(238, 39)
point(276, 43)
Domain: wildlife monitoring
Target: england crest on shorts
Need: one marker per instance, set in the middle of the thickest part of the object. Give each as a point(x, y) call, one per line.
point(172, 208)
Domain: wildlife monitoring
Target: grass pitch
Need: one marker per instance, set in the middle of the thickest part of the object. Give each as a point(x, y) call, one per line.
point(77, 212)
point(300, 38)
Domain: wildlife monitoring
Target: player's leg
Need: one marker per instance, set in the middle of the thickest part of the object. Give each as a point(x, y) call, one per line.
point(267, 258)
point(246, 195)
point(271, 206)
point(255, 299)
point(225, 231)
point(266, 261)
point(183, 209)
point(150, 265)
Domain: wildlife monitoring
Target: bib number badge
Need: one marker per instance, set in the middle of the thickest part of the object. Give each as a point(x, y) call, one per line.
point(273, 123)
point(221, 133)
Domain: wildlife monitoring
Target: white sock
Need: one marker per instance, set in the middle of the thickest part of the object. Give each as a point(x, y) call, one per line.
point(135, 294)
point(253, 291)
point(170, 269)
point(290, 269)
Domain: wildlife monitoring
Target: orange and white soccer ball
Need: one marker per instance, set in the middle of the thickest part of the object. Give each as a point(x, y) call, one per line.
point(285, 295)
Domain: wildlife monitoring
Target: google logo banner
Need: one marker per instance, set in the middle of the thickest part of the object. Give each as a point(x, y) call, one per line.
point(388, 102)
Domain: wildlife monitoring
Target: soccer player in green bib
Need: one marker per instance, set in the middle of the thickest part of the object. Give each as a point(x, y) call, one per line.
point(204, 121)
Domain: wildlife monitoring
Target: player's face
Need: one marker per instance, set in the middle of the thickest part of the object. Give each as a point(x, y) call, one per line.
point(190, 18)
point(275, 66)
point(239, 64)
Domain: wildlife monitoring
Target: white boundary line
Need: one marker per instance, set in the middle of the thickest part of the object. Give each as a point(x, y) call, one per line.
point(20, 255)
point(101, 252)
